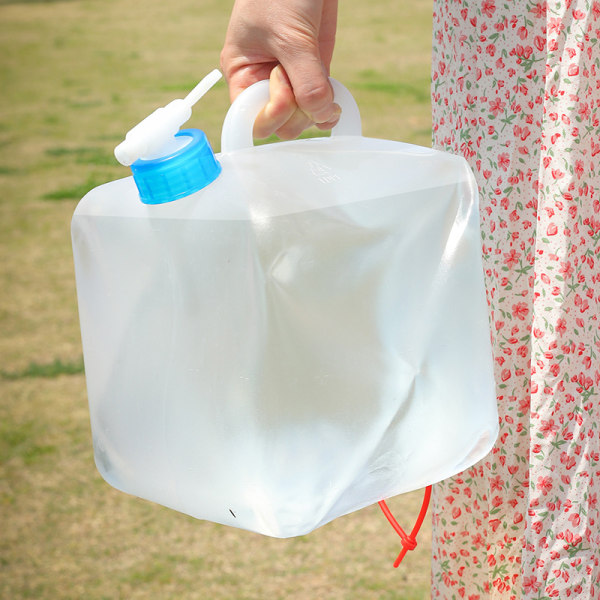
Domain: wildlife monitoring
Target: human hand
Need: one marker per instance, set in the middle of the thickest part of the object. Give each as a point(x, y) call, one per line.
point(289, 42)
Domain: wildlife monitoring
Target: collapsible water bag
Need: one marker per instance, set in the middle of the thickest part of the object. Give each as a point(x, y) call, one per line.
point(278, 335)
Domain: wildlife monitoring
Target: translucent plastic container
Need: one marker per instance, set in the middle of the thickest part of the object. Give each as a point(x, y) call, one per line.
point(302, 337)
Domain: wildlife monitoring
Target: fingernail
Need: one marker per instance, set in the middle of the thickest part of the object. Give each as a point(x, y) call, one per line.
point(281, 75)
point(333, 117)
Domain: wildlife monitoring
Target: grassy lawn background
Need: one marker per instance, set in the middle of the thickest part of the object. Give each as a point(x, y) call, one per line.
point(74, 77)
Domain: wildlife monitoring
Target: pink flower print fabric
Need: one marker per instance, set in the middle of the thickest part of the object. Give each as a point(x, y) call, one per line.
point(516, 90)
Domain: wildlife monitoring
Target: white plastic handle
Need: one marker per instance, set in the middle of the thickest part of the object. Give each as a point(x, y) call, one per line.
point(239, 121)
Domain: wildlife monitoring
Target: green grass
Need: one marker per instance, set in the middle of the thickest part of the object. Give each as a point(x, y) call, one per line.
point(9, 170)
point(54, 369)
point(19, 440)
point(83, 156)
point(77, 191)
point(75, 76)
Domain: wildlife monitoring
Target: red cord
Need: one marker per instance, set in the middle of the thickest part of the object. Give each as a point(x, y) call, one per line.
point(409, 542)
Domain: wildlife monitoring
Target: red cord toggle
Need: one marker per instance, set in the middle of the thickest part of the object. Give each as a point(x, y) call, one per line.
point(409, 542)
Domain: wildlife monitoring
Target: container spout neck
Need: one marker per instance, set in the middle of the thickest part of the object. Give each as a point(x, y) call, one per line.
point(156, 136)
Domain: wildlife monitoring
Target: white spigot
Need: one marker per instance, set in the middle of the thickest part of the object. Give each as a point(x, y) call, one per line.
point(155, 135)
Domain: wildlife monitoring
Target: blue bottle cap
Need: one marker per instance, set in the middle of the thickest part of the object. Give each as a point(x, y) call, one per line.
point(179, 174)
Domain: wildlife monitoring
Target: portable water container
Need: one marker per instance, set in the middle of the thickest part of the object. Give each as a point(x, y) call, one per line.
point(278, 335)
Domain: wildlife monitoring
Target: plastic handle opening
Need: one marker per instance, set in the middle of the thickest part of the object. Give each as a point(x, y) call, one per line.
point(409, 542)
point(239, 121)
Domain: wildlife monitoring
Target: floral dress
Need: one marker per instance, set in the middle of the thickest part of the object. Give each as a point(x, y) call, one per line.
point(516, 90)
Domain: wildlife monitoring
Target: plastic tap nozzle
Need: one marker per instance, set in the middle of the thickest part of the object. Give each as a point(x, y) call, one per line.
point(155, 135)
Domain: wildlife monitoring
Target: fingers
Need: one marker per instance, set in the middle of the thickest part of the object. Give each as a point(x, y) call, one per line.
point(310, 84)
point(281, 115)
point(238, 80)
point(290, 42)
point(306, 59)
